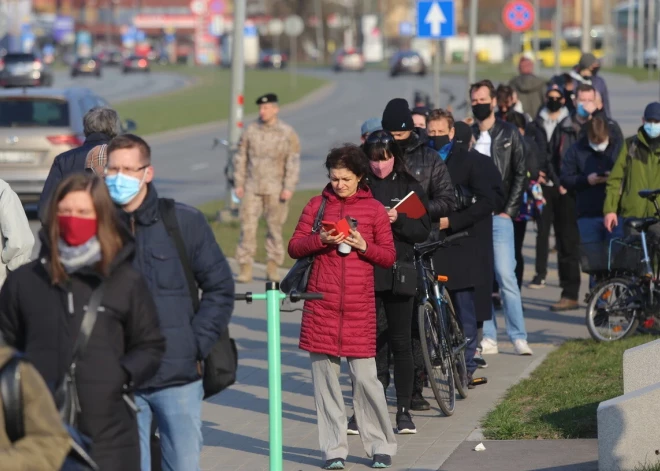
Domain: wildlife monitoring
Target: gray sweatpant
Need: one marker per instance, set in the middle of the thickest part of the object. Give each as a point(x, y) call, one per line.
point(369, 404)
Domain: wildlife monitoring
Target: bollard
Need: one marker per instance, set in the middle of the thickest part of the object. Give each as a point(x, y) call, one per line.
point(273, 297)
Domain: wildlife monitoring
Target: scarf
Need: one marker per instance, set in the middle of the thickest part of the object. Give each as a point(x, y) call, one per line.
point(75, 258)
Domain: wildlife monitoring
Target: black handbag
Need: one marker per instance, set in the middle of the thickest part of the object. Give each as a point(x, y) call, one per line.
point(298, 276)
point(404, 279)
point(464, 197)
point(221, 364)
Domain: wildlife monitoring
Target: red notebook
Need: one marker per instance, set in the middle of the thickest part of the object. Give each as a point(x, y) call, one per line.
point(411, 206)
point(341, 226)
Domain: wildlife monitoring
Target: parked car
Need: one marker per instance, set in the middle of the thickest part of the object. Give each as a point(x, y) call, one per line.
point(349, 59)
point(651, 58)
point(24, 70)
point(36, 125)
point(136, 64)
point(111, 58)
point(407, 62)
point(86, 66)
point(272, 59)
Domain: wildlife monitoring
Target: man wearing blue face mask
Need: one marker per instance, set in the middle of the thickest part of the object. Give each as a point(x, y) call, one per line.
point(166, 232)
point(637, 168)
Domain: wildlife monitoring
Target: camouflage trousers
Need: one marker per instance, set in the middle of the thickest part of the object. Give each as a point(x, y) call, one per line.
point(275, 213)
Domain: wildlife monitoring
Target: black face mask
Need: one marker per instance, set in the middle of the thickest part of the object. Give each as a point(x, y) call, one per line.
point(595, 70)
point(439, 142)
point(553, 104)
point(406, 143)
point(481, 111)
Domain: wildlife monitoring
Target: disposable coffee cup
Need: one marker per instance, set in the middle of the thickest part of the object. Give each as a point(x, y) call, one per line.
point(344, 248)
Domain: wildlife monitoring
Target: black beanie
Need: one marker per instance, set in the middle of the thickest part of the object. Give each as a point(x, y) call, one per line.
point(397, 116)
point(462, 135)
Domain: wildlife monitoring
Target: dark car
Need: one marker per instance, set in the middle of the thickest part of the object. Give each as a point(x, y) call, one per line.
point(24, 70)
point(86, 66)
point(407, 62)
point(111, 58)
point(272, 59)
point(349, 59)
point(135, 64)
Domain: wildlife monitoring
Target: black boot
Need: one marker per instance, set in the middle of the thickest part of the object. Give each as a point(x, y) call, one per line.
point(419, 403)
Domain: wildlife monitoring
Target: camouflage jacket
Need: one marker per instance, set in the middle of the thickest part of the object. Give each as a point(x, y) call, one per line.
point(268, 159)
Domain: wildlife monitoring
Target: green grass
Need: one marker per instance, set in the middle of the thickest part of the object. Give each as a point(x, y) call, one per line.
point(648, 467)
point(638, 73)
point(207, 99)
point(228, 233)
point(560, 398)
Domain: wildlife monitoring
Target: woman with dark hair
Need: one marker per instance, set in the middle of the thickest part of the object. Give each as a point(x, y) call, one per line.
point(390, 182)
point(343, 323)
point(43, 304)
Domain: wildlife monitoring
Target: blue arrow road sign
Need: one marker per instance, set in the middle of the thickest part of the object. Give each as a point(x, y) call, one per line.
point(435, 19)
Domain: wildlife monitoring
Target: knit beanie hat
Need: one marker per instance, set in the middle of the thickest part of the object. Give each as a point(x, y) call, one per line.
point(397, 116)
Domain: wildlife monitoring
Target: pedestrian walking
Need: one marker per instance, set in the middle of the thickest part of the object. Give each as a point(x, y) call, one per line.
point(431, 172)
point(586, 72)
point(86, 253)
point(468, 262)
point(636, 169)
point(343, 323)
point(390, 183)
point(100, 124)
point(266, 170)
point(369, 126)
point(97, 159)
point(173, 397)
point(16, 239)
point(419, 115)
point(502, 142)
point(529, 88)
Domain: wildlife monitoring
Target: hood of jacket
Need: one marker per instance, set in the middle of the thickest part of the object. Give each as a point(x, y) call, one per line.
point(528, 83)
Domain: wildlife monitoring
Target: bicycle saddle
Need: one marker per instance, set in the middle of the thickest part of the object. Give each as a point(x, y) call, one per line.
point(649, 194)
point(641, 224)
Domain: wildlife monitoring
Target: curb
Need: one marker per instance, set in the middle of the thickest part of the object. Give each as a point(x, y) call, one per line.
point(191, 131)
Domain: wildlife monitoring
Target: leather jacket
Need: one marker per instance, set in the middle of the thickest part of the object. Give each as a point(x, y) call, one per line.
point(507, 152)
point(426, 166)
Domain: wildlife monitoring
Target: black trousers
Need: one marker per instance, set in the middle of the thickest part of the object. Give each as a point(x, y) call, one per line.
point(394, 323)
point(519, 228)
point(559, 212)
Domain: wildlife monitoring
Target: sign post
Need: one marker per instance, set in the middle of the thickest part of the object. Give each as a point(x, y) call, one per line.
point(436, 21)
point(293, 27)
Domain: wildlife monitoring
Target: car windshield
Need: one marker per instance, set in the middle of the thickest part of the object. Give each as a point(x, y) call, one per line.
point(32, 112)
point(10, 58)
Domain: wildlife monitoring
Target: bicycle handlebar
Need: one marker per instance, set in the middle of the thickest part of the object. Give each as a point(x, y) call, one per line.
point(453, 237)
point(440, 243)
point(294, 296)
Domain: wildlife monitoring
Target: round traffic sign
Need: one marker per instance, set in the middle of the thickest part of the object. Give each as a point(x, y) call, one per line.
point(275, 27)
point(198, 7)
point(293, 25)
point(518, 15)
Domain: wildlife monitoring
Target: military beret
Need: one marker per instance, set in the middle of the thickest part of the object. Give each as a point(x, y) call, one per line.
point(267, 98)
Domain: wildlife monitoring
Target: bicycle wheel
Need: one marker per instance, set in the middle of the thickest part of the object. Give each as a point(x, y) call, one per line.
point(612, 313)
point(437, 357)
point(458, 346)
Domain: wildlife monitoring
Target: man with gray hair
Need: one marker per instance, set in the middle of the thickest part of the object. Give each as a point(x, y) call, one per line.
point(100, 124)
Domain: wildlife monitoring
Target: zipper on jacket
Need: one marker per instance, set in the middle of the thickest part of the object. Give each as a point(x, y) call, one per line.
point(343, 287)
point(69, 298)
point(132, 221)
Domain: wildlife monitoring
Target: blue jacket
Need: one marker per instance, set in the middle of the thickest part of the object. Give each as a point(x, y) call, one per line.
point(189, 336)
point(579, 162)
point(65, 164)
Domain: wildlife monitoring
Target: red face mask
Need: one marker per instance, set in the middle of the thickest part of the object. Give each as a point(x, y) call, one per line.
point(76, 231)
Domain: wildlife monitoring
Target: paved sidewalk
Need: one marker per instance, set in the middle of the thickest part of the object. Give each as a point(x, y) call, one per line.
point(236, 421)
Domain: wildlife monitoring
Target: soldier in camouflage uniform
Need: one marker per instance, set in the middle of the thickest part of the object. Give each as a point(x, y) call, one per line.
point(266, 170)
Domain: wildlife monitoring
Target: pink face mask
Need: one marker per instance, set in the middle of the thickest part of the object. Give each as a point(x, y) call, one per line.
point(382, 168)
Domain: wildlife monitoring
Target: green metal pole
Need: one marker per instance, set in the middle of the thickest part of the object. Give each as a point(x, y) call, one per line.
point(273, 298)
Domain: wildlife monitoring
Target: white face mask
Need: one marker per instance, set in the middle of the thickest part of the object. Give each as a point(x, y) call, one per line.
point(599, 147)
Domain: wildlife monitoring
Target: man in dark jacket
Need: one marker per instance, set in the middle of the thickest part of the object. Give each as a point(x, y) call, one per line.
point(502, 142)
point(586, 72)
point(174, 395)
point(431, 172)
point(99, 125)
point(468, 263)
point(529, 88)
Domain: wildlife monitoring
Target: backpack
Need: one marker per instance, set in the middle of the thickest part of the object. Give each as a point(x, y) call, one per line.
point(222, 362)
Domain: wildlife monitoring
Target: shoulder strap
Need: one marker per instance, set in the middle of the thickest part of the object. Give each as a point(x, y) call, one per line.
point(167, 210)
point(319, 216)
point(87, 324)
point(12, 399)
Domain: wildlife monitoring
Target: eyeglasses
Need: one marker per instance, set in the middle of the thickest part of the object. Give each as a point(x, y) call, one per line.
point(116, 170)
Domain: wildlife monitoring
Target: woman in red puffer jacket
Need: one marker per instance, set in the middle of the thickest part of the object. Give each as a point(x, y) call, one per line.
point(343, 323)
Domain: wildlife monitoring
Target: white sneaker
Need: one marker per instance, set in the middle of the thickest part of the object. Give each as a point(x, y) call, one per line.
point(521, 348)
point(489, 347)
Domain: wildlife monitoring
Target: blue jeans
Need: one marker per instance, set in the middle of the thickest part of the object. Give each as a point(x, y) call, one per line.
point(592, 231)
point(505, 274)
point(178, 413)
point(464, 306)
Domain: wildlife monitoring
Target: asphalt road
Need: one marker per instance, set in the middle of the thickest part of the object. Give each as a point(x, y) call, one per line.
point(190, 171)
point(116, 87)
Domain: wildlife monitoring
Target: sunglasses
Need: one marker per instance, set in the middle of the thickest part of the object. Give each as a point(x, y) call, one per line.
point(382, 139)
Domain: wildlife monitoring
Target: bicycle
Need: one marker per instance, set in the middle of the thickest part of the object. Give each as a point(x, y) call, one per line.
point(630, 291)
point(440, 330)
